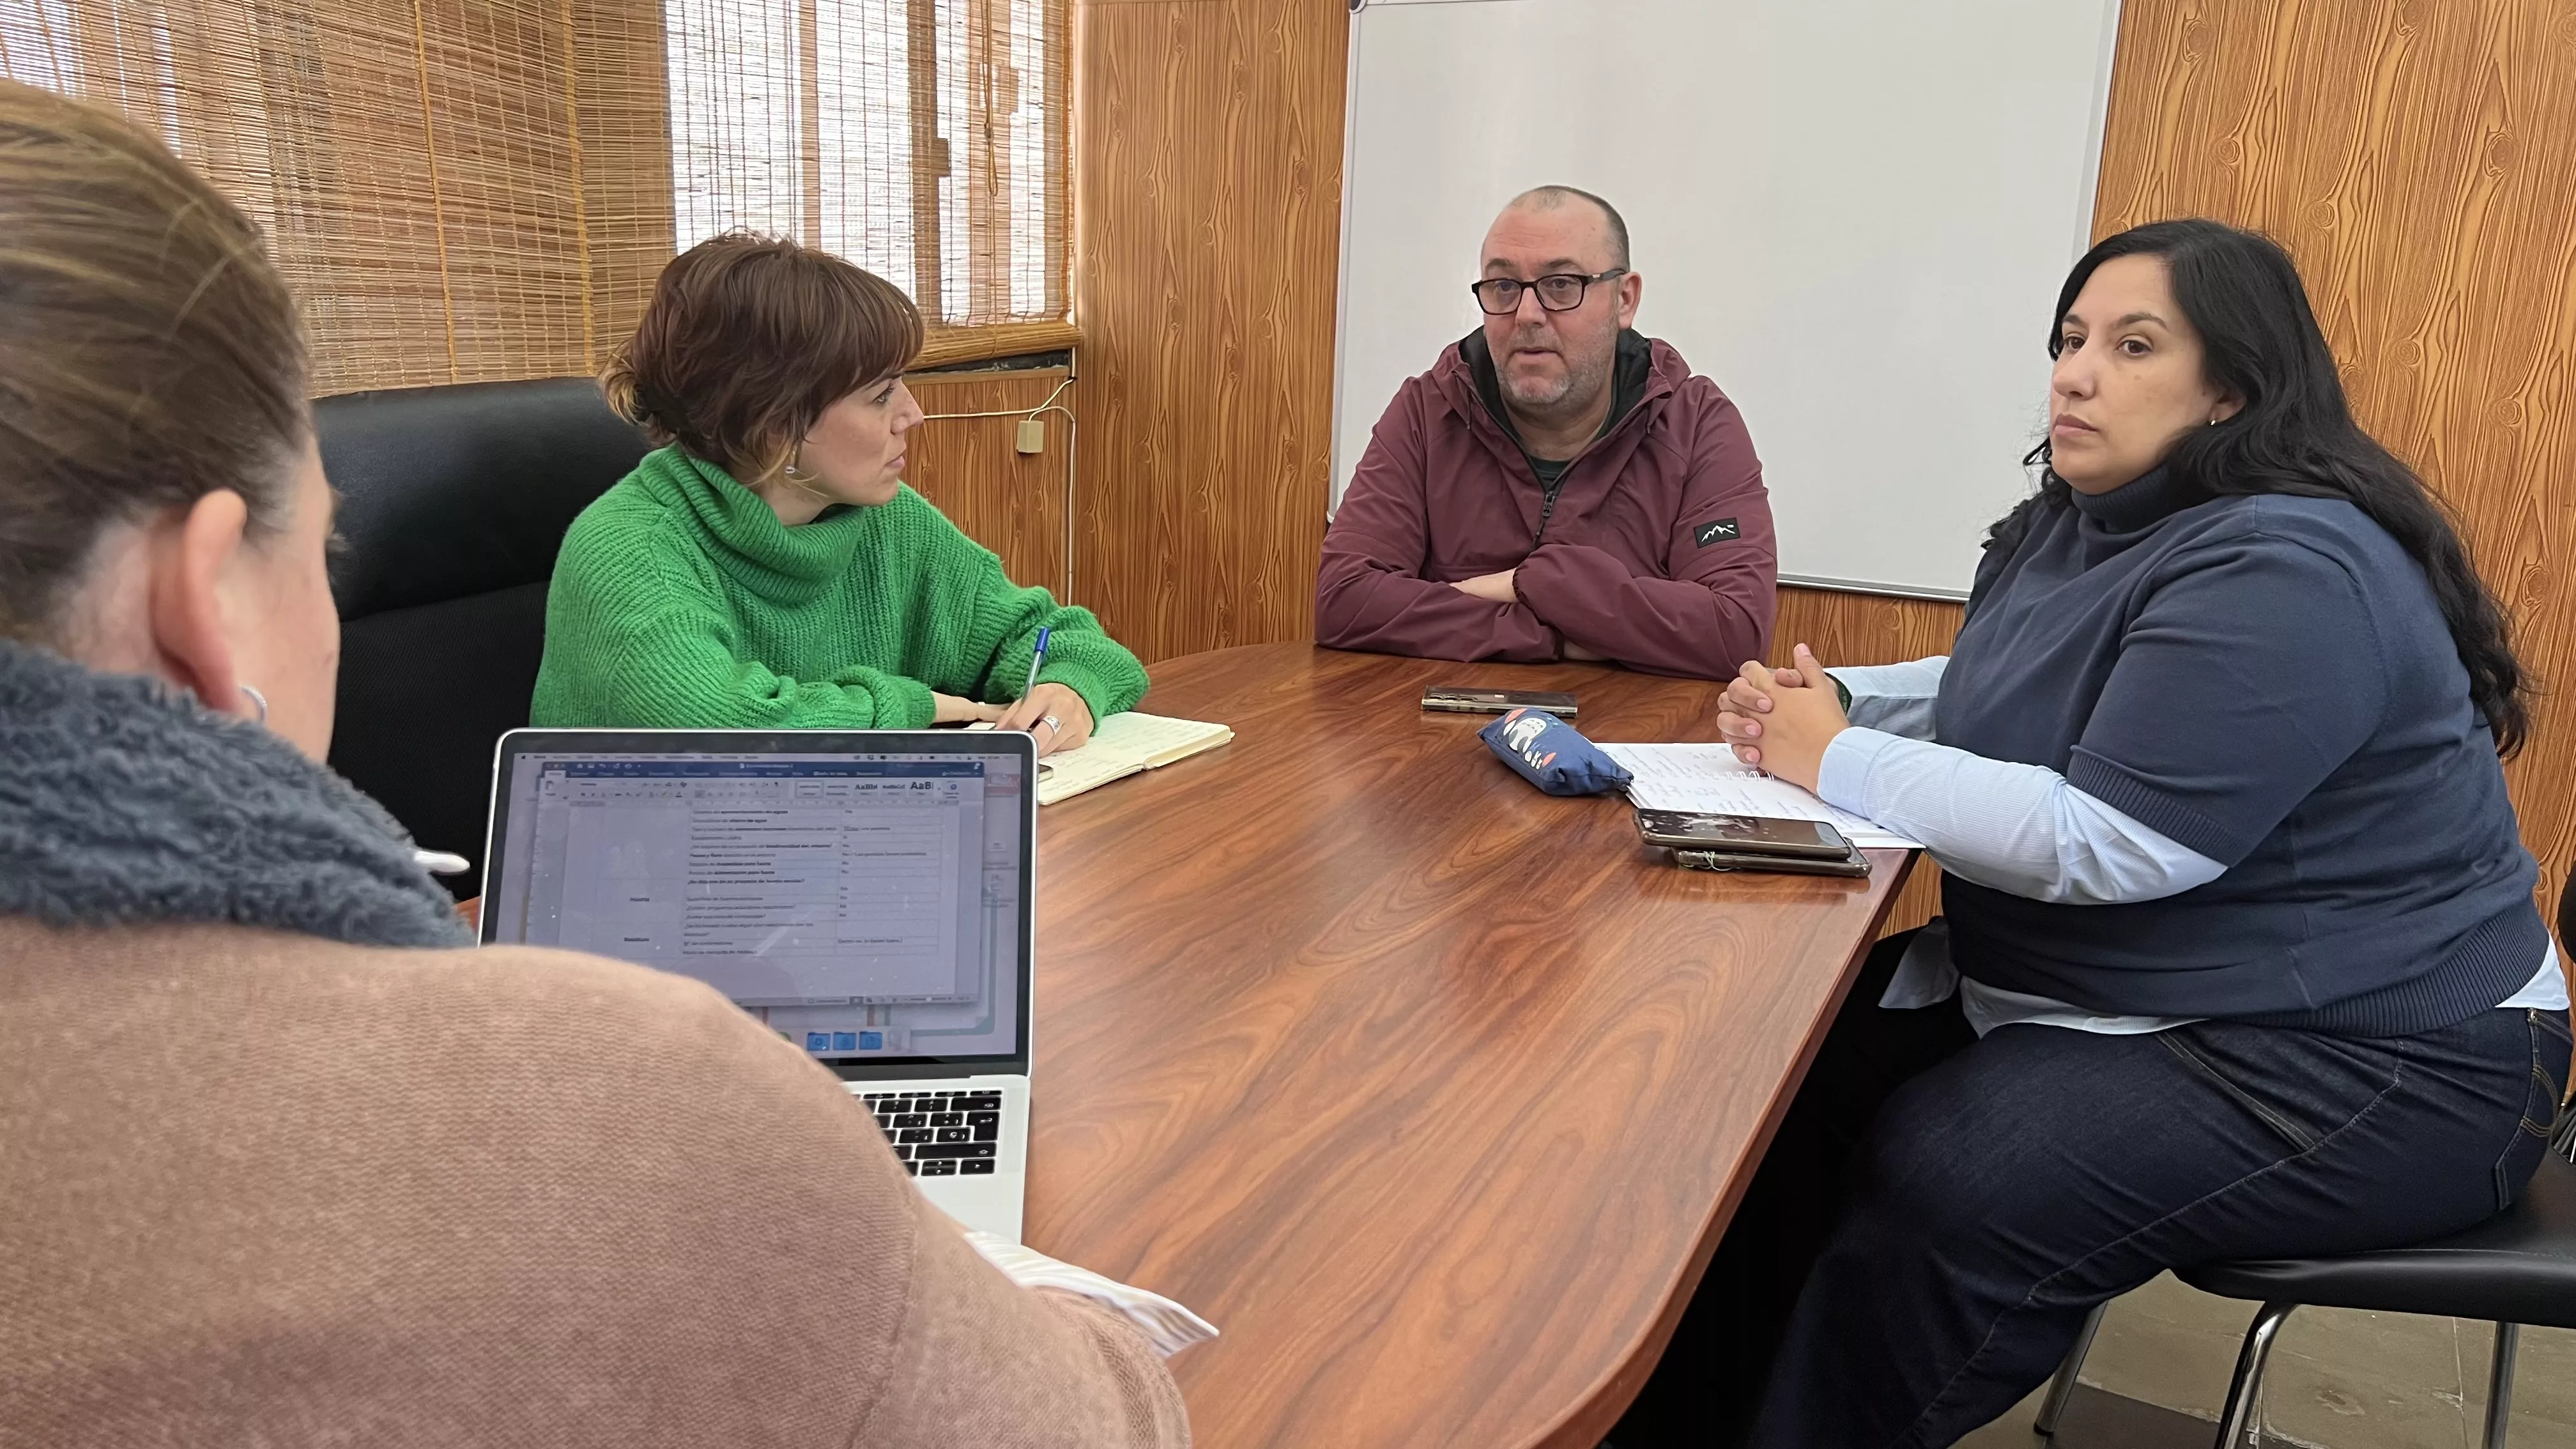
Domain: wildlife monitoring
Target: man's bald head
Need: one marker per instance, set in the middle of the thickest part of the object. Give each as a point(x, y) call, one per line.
point(1549, 198)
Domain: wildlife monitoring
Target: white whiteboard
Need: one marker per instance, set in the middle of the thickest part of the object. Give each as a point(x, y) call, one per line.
point(1852, 215)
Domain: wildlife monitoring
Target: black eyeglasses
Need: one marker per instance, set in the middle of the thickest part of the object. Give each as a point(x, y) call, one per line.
point(1557, 291)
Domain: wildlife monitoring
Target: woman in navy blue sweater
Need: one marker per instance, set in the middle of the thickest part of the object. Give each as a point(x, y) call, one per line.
point(2240, 957)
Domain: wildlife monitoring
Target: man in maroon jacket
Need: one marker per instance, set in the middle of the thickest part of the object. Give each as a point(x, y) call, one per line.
point(1556, 486)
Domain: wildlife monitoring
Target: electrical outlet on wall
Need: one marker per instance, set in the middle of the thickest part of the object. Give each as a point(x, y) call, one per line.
point(1032, 437)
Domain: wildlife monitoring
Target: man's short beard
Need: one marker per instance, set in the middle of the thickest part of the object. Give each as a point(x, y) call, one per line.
point(1580, 388)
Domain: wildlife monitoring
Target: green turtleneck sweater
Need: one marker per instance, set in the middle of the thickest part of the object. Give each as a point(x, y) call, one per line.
point(680, 601)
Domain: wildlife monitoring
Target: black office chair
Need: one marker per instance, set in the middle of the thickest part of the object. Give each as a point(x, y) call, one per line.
point(2515, 1268)
point(453, 503)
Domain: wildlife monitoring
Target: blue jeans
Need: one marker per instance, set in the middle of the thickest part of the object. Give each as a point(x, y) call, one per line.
point(1938, 1213)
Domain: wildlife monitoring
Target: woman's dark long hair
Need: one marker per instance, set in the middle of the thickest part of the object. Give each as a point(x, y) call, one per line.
point(2295, 433)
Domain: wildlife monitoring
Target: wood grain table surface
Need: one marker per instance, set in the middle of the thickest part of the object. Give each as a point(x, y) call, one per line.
point(1433, 1092)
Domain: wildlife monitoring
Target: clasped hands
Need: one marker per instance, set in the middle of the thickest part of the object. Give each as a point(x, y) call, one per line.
point(1782, 719)
point(1779, 719)
point(1072, 717)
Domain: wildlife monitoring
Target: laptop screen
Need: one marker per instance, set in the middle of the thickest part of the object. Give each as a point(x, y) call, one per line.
point(870, 907)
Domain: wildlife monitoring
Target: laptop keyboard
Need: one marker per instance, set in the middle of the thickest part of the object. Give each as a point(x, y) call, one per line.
point(941, 1134)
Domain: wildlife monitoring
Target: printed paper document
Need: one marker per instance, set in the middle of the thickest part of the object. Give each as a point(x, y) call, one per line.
point(1709, 779)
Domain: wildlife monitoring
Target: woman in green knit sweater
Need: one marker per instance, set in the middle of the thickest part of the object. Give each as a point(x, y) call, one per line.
point(766, 567)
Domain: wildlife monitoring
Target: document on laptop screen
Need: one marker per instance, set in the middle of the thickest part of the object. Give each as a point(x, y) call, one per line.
point(863, 907)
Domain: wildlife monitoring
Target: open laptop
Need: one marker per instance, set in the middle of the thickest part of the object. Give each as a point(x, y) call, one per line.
point(869, 895)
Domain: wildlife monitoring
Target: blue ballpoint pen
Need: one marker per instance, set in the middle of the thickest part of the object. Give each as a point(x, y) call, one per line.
point(1035, 660)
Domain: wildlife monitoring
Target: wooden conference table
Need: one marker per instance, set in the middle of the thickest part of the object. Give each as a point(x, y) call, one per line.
point(1431, 1091)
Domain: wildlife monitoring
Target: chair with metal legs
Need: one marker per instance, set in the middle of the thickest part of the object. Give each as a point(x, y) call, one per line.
point(2516, 1268)
point(2062, 1387)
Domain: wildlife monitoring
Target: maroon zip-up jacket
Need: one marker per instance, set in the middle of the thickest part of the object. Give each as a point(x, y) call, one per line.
point(1657, 554)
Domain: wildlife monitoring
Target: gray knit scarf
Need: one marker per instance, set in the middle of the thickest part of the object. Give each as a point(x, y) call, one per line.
point(124, 802)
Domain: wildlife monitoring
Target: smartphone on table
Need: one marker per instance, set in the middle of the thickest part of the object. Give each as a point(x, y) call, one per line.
point(1855, 865)
point(1455, 699)
point(1742, 834)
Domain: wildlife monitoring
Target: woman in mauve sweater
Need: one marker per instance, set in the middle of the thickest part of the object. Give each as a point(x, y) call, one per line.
point(766, 568)
point(284, 1161)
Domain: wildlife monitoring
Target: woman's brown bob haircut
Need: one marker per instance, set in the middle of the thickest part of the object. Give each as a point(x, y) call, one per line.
point(748, 338)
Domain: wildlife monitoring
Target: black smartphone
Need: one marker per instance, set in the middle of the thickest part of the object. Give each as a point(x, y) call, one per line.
point(1457, 700)
point(1855, 864)
point(1742, 834)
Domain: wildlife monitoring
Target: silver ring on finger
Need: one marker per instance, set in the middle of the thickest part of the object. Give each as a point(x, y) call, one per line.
point(1054, 725)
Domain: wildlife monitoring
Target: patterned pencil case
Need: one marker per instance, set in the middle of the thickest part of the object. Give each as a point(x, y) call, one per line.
point(1552, 754)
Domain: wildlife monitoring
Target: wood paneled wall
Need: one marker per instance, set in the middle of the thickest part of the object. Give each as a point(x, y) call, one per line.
point(2419, 160)
point(1011, 502)
point(1863, 628)
point(1207, 230)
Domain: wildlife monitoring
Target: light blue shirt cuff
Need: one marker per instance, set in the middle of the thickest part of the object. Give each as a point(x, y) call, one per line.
point(2013, 827)
point(1900, 699)
point(1842, 777)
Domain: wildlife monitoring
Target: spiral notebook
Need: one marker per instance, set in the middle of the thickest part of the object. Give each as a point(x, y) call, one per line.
point(1123, 745)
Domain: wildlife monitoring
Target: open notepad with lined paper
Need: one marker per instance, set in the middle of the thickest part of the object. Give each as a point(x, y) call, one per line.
point(1123, 745)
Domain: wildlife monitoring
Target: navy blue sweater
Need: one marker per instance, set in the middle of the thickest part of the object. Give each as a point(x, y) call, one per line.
point(2269, 682)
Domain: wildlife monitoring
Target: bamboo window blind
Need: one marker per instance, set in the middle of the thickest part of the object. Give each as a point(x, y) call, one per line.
point(470, 190)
